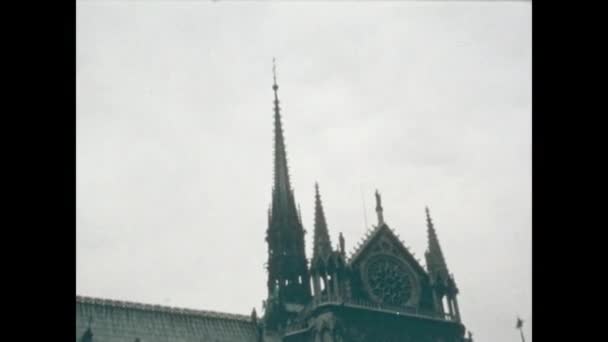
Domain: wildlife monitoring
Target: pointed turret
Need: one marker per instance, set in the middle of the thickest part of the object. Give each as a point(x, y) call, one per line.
point(442, 281)
point(435, 261)
point(287, 265)
point(322, 243)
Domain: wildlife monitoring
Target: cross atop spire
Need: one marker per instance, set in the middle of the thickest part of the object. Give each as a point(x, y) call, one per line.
point(275, 87)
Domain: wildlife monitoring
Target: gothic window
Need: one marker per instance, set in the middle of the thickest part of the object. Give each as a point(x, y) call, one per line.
point(389, 280)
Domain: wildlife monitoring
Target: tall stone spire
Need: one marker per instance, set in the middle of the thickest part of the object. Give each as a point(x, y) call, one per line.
point(283, 202)
point(288, 277)
point(322, 243)
point(282, 185)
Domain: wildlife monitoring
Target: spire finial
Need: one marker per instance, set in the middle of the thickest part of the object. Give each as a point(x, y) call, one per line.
point(379, 208)
point(274, 75)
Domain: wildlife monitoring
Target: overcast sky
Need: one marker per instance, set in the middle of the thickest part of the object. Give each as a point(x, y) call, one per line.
point(429, 102)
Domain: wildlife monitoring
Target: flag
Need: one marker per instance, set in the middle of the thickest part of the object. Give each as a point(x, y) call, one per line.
point(520, 323)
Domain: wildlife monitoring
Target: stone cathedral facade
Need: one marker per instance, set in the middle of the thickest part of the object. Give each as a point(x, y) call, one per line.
point(379, 293)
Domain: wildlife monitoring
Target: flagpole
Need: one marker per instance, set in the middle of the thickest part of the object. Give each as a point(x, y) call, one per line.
point(522, 335)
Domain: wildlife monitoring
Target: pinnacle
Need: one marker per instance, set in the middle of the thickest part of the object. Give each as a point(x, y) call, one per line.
point(322, 242)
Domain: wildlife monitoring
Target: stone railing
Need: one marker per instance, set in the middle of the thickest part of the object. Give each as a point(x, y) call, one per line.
point(407, 310)
point(357, 303)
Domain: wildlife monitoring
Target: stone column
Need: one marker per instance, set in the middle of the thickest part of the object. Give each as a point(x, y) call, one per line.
point(449, 300)
point(437, 301)
point(336, 289)
point(456, 310)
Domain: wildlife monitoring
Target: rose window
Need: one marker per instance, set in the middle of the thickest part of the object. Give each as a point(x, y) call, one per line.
point(389, 280)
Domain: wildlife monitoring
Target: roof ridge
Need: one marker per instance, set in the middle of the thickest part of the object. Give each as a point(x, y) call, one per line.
point(160, 308)
point(407, 249)
point(367, 237)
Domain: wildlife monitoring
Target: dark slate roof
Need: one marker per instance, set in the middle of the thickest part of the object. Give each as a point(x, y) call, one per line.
point(113, 321)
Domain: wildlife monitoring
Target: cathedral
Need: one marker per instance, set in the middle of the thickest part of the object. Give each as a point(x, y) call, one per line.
point(379, 293)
